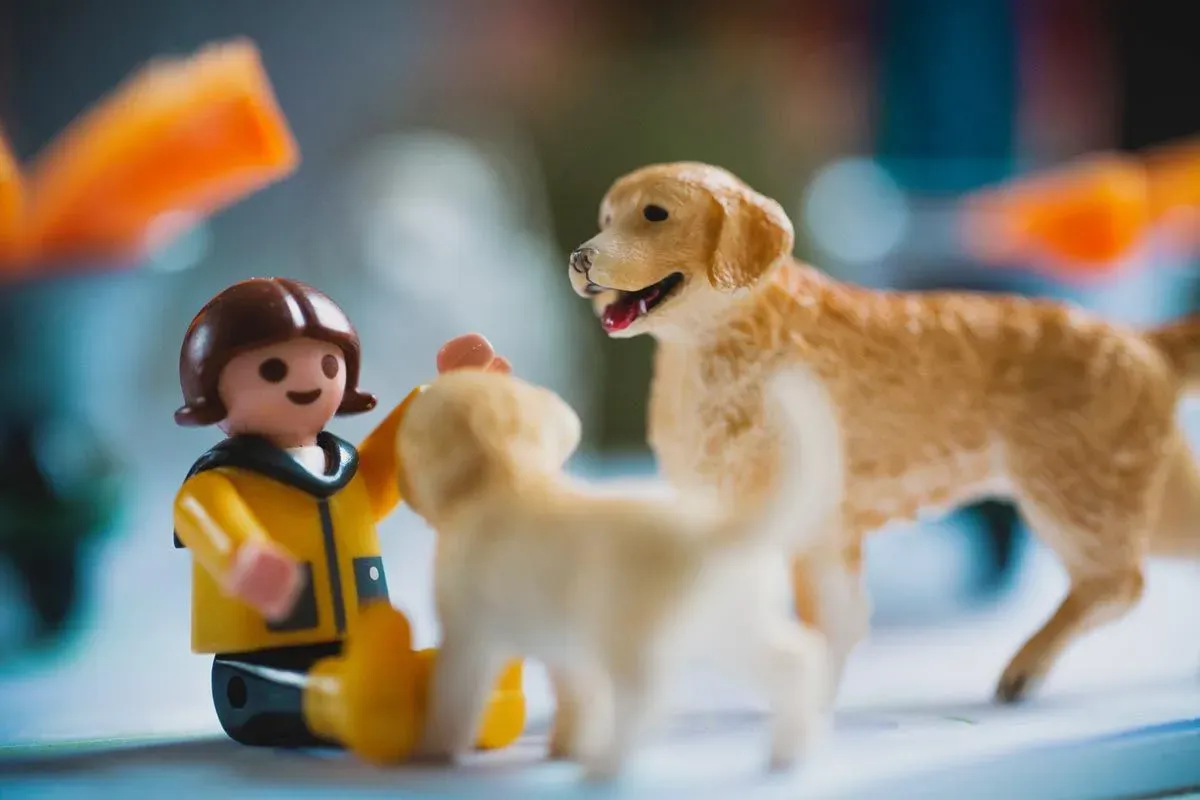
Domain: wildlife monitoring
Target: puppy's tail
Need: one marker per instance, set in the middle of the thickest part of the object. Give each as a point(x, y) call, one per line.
point(1179, 341)
point(810, 481)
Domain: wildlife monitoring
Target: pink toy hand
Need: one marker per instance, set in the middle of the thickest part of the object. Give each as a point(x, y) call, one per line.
point(267, 578)
point(470, 351)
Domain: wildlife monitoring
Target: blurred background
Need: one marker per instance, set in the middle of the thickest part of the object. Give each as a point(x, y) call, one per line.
point(453, 153)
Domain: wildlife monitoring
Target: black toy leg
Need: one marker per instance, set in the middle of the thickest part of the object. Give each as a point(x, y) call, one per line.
point(258, 696)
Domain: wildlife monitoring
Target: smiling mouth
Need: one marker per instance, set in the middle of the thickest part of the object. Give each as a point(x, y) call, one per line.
point(629, 307)
point(304, 398)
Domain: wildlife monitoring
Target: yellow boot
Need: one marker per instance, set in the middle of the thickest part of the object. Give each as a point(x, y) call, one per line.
point(504, 718)
point(367, 697)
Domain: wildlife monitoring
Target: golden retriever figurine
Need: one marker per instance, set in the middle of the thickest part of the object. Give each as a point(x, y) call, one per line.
point(612, 592)
point(944, 398)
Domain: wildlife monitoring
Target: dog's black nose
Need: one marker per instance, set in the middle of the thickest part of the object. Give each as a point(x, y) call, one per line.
point(581, 259)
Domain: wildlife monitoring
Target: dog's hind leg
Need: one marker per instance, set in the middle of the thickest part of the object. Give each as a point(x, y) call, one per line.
point(1095, 500)
point(1177, 534)
point(1090, 603)
point(1104, 564)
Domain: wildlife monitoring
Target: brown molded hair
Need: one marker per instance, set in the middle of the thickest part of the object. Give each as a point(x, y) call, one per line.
point(257, 313)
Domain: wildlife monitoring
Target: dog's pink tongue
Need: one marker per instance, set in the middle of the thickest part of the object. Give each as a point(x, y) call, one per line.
point(619, 316)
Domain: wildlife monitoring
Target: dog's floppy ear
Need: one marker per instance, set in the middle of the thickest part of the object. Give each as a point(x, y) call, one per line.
point(566, 427)
point(755, 233)
point(441, 462)
point(457, 482)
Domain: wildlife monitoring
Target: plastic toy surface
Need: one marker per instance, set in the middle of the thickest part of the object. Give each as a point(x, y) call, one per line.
point(943, 398)
point(289, 588)
point(179, 140)
point(614, 593)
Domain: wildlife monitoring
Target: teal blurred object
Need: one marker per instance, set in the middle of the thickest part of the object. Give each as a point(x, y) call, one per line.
point(949, 93)
point(60, 486)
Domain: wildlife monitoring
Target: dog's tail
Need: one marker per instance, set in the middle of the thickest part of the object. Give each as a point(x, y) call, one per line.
point(810, 481)
point(1179, 342)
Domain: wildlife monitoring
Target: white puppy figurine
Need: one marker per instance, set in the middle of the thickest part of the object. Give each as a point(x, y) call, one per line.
point(613, 593)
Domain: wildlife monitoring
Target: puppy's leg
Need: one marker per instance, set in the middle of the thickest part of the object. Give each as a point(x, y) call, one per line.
point(635, 687)
point(794, 670)
point(564, 734)
point(463, 674)
point(581, 721)
point(831, 597)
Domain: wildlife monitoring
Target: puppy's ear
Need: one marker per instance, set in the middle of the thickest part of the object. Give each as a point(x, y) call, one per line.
point(443, 483)
point(441, 462)
point(755, 233)
point(461, 481)
point(566, 428)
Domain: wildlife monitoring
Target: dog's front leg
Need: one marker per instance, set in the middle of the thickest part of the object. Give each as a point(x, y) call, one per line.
point(581, 718)
point(635, 696)
point(463, 672)
point(793, 662)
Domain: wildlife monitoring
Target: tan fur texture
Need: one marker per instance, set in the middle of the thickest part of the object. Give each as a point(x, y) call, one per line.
point(613, 593)
point(943, 398)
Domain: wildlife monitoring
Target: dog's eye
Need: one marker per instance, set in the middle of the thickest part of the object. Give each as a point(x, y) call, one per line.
point(654, 213)
point(604, 223)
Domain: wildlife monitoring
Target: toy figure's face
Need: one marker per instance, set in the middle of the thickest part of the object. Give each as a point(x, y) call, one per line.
point(286, 392)
point(675, 241)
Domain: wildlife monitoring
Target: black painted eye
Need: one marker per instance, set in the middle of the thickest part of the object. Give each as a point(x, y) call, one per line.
point(273, 370)
point(329, 365)
point(654, 213)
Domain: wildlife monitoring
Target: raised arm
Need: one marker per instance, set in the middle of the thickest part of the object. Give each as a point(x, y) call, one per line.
point(378, 462)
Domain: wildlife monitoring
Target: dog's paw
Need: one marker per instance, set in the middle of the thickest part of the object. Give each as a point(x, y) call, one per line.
point(572, 745)
point(603, 768)
point(792, 743)
point(432, 758)
point(560, 749)
point(783, 760)
point(433, 753)
point(1014, 686)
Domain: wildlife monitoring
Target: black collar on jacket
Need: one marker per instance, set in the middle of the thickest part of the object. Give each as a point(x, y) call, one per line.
point(256, 454)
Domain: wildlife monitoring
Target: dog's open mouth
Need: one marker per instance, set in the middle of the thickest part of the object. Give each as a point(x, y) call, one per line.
point(630, 306)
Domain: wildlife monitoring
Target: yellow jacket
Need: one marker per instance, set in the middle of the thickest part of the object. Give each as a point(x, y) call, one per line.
point(245, 489)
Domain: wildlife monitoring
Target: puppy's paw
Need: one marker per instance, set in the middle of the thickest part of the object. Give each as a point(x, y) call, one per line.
point(561, 748)
point(791, 742)
point(572, 744)
point(433, 752)
point(603, 768)
point(432, 758)
point(782, 761)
